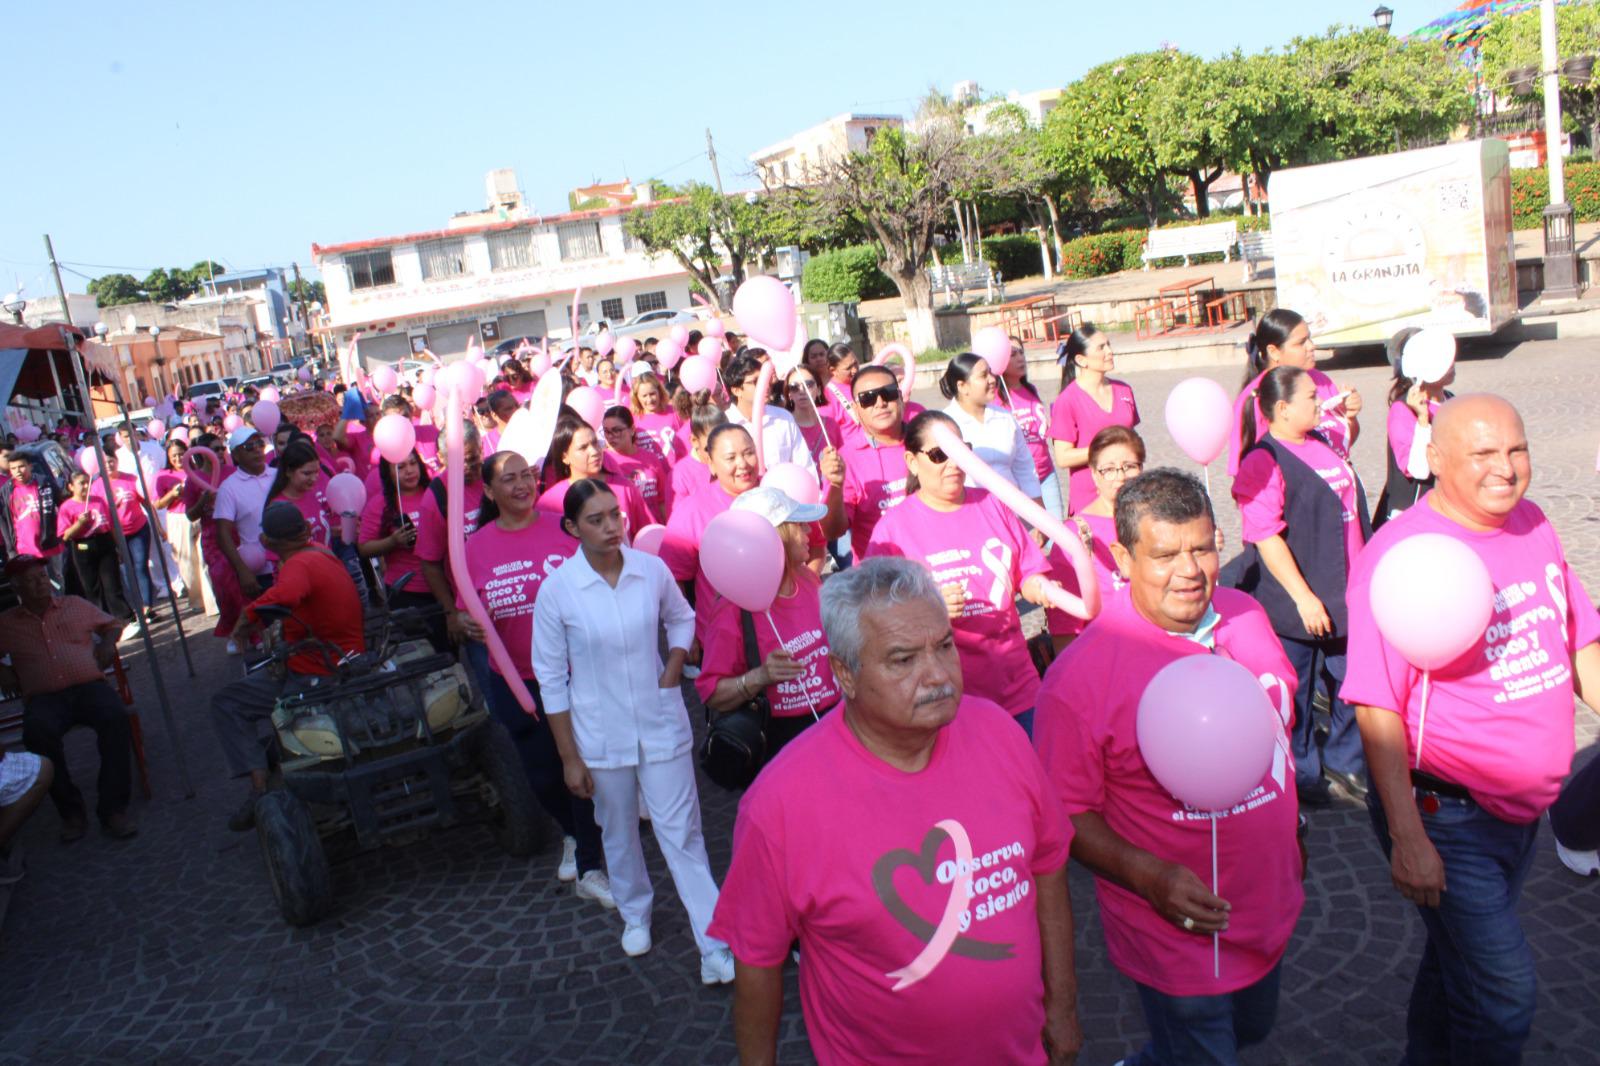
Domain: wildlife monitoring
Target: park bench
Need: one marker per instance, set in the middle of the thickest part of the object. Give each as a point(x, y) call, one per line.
point(1185, 241)
point(956, 278)
point(1254, 248)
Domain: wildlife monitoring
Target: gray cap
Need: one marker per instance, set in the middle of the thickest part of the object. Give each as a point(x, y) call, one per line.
point(283, 521)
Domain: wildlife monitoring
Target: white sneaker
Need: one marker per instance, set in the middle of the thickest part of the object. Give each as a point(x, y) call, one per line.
point(635, 940)
point(568, 870)
point(716, 967)
point(129, 631)
point(233, 647)
point(595, 885)
point(1584, 863)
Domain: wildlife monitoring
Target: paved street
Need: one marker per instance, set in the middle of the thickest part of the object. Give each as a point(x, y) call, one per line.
point(169, 949)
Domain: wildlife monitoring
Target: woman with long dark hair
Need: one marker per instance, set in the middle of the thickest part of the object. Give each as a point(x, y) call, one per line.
point(990, 430)
point(618, 717)
point(183, 532)
point(1304, 519)
point(514, 549)
point(1033, 417)
point(1412, 405)
point(388, 530)
point(1283, 338)
point(981, 557)
point(576, 453)
point(1089, 401)
point(303, 481)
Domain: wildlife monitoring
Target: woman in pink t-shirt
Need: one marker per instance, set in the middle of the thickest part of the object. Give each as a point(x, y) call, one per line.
point(1090, 400)
point(799, 683)
point(655, 423)
point(842, 367)
point(981, 556)
point(1033, 417)
point(388, 532)
point(732, 456)
point(1283, 338)
point(303, 482)
point(575, 453)
point(645, 469)
point(818, 430)
point(1304, 518)
point(692, 474)
point(1116, 456)
point(85, 525)
point(133, 512)
point(183, 532)
point(1412, 405)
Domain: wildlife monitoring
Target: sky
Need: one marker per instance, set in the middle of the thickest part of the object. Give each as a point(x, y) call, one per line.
point(246, 132)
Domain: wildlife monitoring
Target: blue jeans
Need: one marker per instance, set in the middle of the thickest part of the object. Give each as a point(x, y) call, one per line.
point(1025, 720)
point(1473, 998)
point(541, 761)
point(1321, 663)
point(139, 555)
point(1050, 493)
point(1206, 1030)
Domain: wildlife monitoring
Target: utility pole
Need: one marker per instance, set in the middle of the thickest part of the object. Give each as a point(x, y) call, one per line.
point(300, 301)
point(1561, 270)
point(711, 153)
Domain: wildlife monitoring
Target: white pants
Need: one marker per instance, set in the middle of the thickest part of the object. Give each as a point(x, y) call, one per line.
point(670, 797)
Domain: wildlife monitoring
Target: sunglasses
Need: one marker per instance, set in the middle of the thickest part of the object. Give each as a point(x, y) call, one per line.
point(869, 398)
point(936, 455)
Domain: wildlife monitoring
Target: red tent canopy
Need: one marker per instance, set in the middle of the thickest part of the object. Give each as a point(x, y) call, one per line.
point(49, 342)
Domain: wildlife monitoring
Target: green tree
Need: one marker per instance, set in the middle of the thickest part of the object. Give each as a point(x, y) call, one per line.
point(702, 229)
point(1513, 43)
point(197, 276)
point(167, 286)
point(1184, 125)
point(308, 291)
point(1261, 106)
point(111, 290)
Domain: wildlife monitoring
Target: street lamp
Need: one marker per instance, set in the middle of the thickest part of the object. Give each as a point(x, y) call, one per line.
point(14, 305)
point(1561, 278)
point(1383, 17)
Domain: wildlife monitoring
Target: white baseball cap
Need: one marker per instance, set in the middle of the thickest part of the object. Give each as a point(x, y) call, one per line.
point(777, 506)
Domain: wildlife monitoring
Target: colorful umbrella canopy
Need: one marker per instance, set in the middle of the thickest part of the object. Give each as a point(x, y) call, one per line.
point(1464, 26)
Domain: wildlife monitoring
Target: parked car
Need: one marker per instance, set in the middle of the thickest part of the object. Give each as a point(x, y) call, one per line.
point(511, 344)
point(201, 391)
point(651, 323)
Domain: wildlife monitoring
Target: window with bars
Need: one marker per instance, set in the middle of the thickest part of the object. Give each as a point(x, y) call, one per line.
point(442, 259)
point(649, 301)
point(611, 310)
point(630, 243)
point(512, 250)
point(583, 314)
point(370, 269)
point(580, 240)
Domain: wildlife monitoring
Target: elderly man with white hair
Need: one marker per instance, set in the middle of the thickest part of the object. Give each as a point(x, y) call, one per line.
point(913, 846)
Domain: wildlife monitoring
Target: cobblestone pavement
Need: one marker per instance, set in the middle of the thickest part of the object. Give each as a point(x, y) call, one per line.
point(169, 949)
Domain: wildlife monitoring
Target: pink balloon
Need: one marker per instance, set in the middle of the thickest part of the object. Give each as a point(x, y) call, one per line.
point(27, 432)
point(253, 556)
point(539, 363)
point(304, 373)
point(627, 350)
point(473, 379)
point(270, 393)
point(742, 554)
point(1200, 418)
point(180, 433)
point(424, 395)
point(795, 480)
point(1085, 605)
point(395, 437)
point(155, 429)
point(88, 462)
point(992, 343)
point(208, 477)
point(698, 374)
point(589, 403)
point(149, 401)
point(908, 380)
point(649, 539)
point(605, 342)
point(679, 334)
point(231, 422)
point(266, 416)
point(716, 328)
point(1432, 599)
point(711, 348)
point(346, 493)
point(1207, 730)
point(385, 379)
point(764, 307)
point(668, 353)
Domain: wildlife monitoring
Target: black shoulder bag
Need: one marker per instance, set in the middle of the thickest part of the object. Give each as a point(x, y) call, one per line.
point(736, 743)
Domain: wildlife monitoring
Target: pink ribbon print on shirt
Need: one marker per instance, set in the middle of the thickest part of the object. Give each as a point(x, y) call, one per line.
point(949, 935)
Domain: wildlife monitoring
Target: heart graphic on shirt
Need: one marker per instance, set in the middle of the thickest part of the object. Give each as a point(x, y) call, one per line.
point(925, 862)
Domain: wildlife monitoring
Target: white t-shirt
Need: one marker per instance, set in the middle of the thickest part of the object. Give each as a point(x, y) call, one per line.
point(240, 499)
point(781, 439)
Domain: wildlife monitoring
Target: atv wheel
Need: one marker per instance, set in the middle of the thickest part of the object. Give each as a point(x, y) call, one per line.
point(296, 864)
point(519, 826)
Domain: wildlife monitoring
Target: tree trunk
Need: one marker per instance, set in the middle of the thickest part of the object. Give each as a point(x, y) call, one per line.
point(961, 228)
point(1055, 225)
point(1202, 209)
point(916, 297)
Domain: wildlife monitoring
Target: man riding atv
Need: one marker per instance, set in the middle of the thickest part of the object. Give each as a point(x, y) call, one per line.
point(313, 584)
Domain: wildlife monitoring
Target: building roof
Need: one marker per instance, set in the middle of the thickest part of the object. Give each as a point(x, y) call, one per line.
point(620, 193)
point(321, 250)
point(843, 119)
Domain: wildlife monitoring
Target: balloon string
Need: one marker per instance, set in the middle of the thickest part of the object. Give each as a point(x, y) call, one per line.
point(1422, 718)
point(812, 400)
point(815, 717)
point(1207, 471)
point(1216, 938)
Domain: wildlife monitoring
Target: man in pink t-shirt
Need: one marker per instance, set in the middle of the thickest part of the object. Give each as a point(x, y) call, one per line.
point(1151, 853)
point(1459, 800)
point(34, 522)
point(940, 922)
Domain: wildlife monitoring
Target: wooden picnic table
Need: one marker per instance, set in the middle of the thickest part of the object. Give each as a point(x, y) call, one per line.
point(1188, 292)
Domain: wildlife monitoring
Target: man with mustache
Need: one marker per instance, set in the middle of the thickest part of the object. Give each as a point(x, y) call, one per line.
point(913, 847)
point(1458, 818)
point(1150, 853)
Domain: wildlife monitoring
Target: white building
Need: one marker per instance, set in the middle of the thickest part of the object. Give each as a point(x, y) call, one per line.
point(494, 280)
point(1037, 105)
point(789, 161)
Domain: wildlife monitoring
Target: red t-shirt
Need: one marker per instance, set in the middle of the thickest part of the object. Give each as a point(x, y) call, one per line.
point(1086, 731)
point(317, 588)
point(857, 860)
point(507, 569)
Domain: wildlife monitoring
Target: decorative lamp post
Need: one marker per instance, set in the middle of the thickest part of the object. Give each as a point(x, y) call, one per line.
point(1383, 17)
point(14, 305)
point(1561, 278)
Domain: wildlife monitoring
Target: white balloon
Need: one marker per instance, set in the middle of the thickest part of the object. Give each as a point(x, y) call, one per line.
point(1428, 355)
